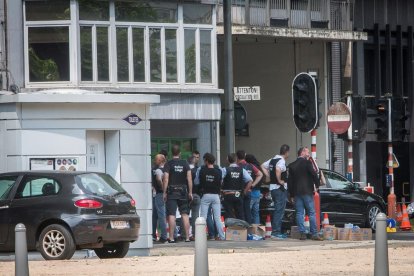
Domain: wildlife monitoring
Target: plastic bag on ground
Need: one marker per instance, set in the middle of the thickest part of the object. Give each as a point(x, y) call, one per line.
point(229, 222)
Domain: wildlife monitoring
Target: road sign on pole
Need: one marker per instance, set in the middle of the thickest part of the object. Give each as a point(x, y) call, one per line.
point(339, 118)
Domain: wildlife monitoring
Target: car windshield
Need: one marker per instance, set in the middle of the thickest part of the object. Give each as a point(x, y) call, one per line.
point(6, 184)
point(99, 184)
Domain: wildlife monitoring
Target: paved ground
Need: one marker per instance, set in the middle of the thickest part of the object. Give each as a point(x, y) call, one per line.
point(288, 257)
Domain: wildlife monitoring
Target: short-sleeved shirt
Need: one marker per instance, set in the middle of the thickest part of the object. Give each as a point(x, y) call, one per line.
point(281, 164)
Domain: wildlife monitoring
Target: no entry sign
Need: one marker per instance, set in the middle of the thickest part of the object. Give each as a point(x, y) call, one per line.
point(339, 118)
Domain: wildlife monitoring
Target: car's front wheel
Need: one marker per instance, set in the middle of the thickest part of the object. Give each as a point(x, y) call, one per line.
point(56, 243)
point(372, 212)
point(115, 250)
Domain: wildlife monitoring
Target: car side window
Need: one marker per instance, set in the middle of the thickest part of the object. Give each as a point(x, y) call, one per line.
point(6, 184)
point(335, 181)
point(38, 186)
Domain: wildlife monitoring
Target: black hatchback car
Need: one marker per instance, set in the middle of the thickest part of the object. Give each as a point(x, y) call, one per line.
point(65, 211)
point(342, 200)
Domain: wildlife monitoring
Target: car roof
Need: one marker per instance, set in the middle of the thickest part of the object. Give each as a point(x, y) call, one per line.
point(55, 173)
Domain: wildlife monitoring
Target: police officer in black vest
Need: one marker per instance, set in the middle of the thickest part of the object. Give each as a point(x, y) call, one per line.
point(236, 183)
point(178, 186)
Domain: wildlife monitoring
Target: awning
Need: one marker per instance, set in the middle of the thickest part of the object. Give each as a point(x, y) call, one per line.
point(187, 107)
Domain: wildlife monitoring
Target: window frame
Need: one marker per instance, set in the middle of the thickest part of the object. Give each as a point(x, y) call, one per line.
point(28, 178)
point(74, 25)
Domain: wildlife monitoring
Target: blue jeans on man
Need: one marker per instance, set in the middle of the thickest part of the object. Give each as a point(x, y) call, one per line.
point(254, 206)
point(213, 201)
point(279, 197)
point(303, 202)
point(159, 215)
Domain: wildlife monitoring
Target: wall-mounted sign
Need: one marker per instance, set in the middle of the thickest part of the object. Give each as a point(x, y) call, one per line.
point(66, 163)
point(42, 164)
point(132, 119)
point(92, 155)
point(246, 93)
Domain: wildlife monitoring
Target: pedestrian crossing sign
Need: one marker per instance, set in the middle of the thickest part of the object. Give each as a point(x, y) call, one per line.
point(395, 163)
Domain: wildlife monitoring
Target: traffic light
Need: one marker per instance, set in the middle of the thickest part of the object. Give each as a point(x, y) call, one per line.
point(381, 119)
point(305, 102)
point(399, 117)
point(359, 118)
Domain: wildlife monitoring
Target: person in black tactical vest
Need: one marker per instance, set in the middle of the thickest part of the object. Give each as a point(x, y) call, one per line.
point(178, 187)
point(209, 179)
point(275, 170)
point(256, 175)
point(158, 211)
point(195, 203)
point(236, 183)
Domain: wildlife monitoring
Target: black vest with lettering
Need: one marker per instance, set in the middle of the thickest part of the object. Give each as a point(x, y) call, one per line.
point(272, 172)
point(155, 184)
point(177, 170)
point(210, 180)
point(233, 179)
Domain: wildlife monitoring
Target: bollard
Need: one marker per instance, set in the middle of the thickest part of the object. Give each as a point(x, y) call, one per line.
point(381, 247)
point(201, 252)
point(21, 259)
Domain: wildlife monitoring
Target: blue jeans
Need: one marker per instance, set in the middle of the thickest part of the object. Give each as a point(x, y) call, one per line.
point(246, 205)
point(279, 198)
point(195, 210)
point(210, 224)
point(254, 208)
point(158, 215)
point(303, 202)
point(213, 201)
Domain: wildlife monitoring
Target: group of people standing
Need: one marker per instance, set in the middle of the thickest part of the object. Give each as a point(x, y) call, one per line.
point(182, 184)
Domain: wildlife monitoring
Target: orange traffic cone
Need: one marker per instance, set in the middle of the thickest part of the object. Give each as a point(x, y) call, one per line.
point(405, 223)
point(306, 223)
point(399, 214)
point(223, 225)
point(268, 227)
point(325, 220)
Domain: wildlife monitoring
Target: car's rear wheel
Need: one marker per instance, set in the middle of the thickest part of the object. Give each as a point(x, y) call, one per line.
point(115, 250)
point(56, 243)
point(372, 212)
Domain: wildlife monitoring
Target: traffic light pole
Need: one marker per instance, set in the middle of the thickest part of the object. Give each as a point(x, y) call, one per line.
point(228, 80)
point(350, 170)
point(392, 199)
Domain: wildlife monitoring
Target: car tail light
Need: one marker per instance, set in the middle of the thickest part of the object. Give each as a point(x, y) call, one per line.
point(133, 203)
point(88, 203)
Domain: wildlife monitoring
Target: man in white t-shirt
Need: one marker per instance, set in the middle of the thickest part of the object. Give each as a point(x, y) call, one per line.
point(275, 171)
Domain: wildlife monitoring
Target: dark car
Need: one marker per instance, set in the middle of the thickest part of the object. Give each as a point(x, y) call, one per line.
point(342, 200)
point(65, 211)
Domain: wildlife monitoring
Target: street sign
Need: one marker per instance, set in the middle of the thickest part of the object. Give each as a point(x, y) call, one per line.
point(395, 163)
point(247, 93)
point(339, 118)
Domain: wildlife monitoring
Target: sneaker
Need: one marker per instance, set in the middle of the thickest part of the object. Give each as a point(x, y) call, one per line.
point(161, 240)
point(211, 238)
point(172, 241)
point(302, 237)
point(317, 238)
point(192, 238)
point(187, 240)
point(279, 237)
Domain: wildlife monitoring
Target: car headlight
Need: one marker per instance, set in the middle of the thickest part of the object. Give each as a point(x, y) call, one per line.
point(410, 208)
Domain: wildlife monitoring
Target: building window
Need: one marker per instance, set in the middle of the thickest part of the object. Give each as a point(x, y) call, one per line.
point(160, 42)
point(48, 54)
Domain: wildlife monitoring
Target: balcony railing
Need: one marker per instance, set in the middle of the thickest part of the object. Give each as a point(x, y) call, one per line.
point(304, 14)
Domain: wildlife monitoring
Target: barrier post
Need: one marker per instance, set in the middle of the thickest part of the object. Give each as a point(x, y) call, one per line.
point(201, 251)
point(21, 258)
point(381, 247)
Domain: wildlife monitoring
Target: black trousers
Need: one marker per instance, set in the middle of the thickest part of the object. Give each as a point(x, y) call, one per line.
point(233, 206)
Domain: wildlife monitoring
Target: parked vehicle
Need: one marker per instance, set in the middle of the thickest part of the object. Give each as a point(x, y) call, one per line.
point(342, 200)
point(65, 211)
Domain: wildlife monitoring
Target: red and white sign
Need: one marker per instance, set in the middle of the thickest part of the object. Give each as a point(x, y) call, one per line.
point(339, 118)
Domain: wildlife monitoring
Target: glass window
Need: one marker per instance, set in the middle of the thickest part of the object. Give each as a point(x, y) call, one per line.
point(190, 56)
point(205, 56)
point(48, 54)
point(86, 53)
point(47, 10)
point(102, 53)
point(335, 181)
point(171, 54)
point(146, 11)
point(139, 54)
point(155, 55)
point(38, 186)
point(6, 184)
point(197, 13)
point(98, 184)
point(94, 10)
point(122, 54)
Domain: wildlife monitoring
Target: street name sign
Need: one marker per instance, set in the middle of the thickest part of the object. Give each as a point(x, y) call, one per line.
point(246, 93)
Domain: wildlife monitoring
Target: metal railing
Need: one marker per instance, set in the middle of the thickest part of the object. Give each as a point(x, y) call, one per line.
point(324, 14)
